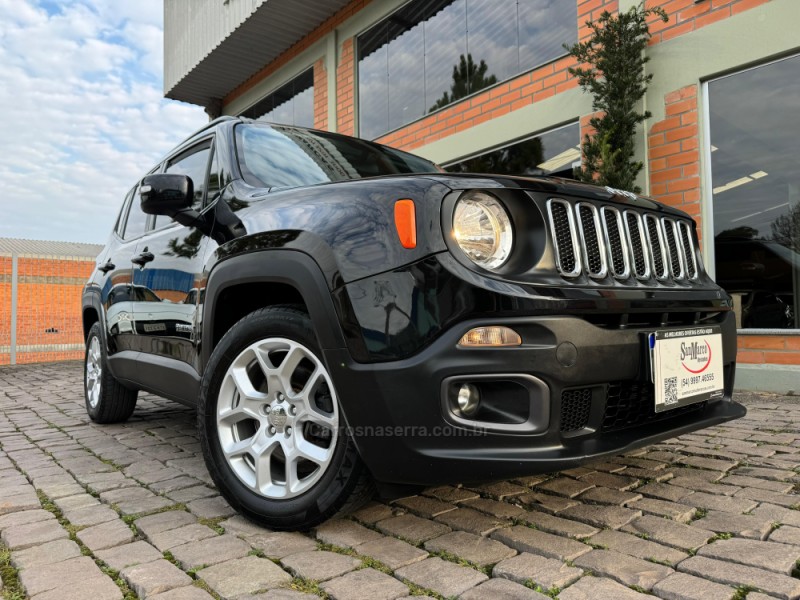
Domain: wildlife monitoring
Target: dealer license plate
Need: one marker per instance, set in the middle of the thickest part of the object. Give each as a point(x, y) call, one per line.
point(686, 366)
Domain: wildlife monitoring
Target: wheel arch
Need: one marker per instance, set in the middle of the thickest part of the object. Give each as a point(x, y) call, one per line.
point(282, 277)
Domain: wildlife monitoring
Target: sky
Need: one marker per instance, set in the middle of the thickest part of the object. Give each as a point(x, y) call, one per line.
point(82, 113)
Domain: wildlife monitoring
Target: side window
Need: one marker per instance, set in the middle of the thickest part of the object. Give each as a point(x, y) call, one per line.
point(122, 212)
point(214, 183)
point(137, 220)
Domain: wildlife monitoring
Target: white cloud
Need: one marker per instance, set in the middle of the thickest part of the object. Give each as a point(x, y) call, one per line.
point(82, 115)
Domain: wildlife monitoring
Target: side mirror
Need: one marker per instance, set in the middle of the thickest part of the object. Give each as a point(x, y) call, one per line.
point(170, 195)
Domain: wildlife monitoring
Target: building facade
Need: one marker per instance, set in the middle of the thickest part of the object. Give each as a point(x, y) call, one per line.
point(483, 85)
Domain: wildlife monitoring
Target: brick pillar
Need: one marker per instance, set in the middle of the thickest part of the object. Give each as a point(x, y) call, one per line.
point(674, 155)
point(320, 95)
point(345, 89)
point(5, 309)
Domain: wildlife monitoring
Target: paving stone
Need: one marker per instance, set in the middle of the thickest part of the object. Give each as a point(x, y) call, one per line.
point(424, 507)
point(473, 548)
point(210, 551)
point(781, 487)
point(90, 515)
point(154, 577)
point(695, 484)
point(748, 526)
point(365, 584)
point(628, 570)
point(501, 490)
point(770, 556)
point(443, 577)
point(652, 475)
point(612, 517)
point(681, 586)
point(392, 552)
point(495, 508)
point(166, 540)
point(192, 493)
point(412, 528)
point(143, 505)
point(663, 491)
point(742, 575)
point(75, 502)
point(279, 544)
point(559, 526)
point(637, 547)
point(764, 473)
point(19, 537)
point(778, 514)
point(564, 486)
point(546, 502)
point(24, 517)
point(75, 573)
point(344, 533)
point(786, 500)
point(723, 503)
point(448, 493)
point(501, 589)
point(593, 588)
point(211, 508)
point(45, 554)
point(171, 519)
point(525, 539)
point(105, 535)
point(664, 508)
point(239, 525)
point(712, 464)
point(171, 485)
point(320, 565)
point(284, 594)
point(611, 481)
point(472, 521)
point(373, 512)
point(670, 533)
point(786, 535)
point(602, 495)
point(128, 555)
point(548, 573)
point(244, 576)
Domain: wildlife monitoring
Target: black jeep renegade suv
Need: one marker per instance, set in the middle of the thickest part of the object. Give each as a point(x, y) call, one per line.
point(342, 314)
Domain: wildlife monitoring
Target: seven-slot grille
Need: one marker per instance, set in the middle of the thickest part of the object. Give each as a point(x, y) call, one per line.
point(623, 243)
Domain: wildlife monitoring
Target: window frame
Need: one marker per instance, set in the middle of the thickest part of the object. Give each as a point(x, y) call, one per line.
point(298, 74)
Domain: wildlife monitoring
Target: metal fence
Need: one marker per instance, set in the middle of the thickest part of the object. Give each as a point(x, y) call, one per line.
point(40, 307)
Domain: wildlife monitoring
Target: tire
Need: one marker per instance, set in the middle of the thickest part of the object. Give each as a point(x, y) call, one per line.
point(107, 400)
point(271, 426)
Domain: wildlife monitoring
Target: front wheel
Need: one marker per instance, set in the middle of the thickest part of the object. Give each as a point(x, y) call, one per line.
point(271, 425)
point(107, 400)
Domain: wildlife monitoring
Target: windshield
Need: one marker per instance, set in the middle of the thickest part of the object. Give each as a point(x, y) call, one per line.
point(277, 156)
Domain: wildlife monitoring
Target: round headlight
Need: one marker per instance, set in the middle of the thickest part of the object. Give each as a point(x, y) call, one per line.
point(482, 229)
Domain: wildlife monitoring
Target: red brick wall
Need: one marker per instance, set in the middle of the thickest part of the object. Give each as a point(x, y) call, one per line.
point(5, 308)
point(48, 298)
point(686, 16)
point(771, 349)
point(320, 95)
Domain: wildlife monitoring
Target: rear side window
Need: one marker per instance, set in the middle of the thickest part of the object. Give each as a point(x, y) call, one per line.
point(136, 223)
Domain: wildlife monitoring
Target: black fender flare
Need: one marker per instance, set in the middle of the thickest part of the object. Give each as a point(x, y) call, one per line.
point(292, 267)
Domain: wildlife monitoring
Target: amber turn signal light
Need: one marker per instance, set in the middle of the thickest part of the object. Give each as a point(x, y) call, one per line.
point(490, 337)
point(405, 220)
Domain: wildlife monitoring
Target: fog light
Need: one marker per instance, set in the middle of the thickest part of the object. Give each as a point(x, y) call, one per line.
point(468, 399)
point(490, 337)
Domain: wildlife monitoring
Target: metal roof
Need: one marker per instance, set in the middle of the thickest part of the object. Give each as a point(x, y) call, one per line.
point(211, 47)
point(47, 248)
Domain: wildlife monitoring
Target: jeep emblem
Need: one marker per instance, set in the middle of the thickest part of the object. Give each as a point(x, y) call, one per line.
point(277, 418)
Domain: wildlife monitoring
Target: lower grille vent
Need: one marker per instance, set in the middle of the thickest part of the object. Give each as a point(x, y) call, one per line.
point(575, 408)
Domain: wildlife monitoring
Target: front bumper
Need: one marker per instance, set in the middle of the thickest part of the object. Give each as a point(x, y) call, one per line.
point(406, 436)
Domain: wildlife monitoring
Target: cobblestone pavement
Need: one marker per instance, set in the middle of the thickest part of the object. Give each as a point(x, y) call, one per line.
point(105, 512)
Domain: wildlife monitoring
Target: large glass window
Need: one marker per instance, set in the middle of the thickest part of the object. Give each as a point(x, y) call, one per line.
point(755, 173)
point(291, 104)
point(552, 153)
point(431, 53)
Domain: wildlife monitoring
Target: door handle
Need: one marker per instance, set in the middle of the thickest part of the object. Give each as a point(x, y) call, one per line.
point(143, 258)
point(109, 266)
